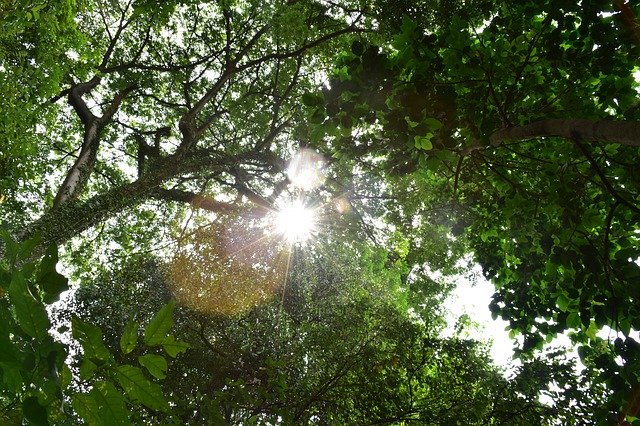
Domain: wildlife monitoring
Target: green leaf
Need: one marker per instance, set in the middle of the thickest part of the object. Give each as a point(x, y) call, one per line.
point(157, 330)
point(7, 351)
point(103, 405)
point(423, 142)
point(30, 313)
point(129, 338)
point(410, 122)
point(155, 364)
point(174, 347)
point(90, 337)
point(87, 369)
point(11, 376)
point(310, 99)
point(624, 326)
point(34, 412)
point(10, 246)
point(25, 249)
point(139, 388)
point(573, 320)
point(563, 302)
point(433, 124)
point(65, 377)
point(49, 279)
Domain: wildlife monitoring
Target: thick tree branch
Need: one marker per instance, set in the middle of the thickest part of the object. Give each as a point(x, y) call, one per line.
point(78, 104)
point(78, 175)
point(196, 201)
point(622, 132)
point(71, 218)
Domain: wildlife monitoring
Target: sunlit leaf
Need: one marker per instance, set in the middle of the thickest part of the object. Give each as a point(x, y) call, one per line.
point(139, 388)
point(563, 302)
point(90, 337)
point(156, 332)
point(155, 364)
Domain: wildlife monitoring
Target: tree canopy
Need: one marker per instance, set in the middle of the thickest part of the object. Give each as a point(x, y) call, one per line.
point(150, 148)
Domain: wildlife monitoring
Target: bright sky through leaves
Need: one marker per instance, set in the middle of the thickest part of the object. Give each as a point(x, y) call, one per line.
point(306, 170)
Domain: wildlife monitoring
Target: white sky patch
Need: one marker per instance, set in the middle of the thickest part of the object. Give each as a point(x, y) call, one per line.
point(306, 170)
point(473, 300)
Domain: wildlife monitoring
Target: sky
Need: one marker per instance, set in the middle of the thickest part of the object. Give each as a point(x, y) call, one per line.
point(473, 298)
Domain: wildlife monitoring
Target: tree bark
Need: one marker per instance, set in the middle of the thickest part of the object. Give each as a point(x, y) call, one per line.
point(622, 132)
point(61, 224)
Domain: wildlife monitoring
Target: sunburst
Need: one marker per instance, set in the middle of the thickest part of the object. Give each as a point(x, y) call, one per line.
point(295, 221)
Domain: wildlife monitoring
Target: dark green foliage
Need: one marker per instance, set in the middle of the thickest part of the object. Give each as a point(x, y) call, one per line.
point(554, 223)
point(146, 110)
point(339, 347)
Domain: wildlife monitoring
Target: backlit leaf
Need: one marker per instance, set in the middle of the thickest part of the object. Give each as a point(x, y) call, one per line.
point(139, 388)
point(175, 347)
point(129, 338)
point(104, 405)
point(158, 329)
point(90, 337)
point(30, 313)
point(155, 364)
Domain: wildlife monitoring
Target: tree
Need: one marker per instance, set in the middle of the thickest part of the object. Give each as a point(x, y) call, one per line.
point(146, 110)
point(337, 347)
point(156, 117)
point(475, 125)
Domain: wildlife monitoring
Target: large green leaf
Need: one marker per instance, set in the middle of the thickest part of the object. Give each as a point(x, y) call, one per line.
point(34, 412)
point(158, 329)
point(11, 376)
point(19, 251)
point(103, 405)
point(129, 337)
point(87, 369)
point(155, 364)
point(139, 388)
point(174, 347)
point(49, 279)
point(30, 313)
point(563, 302)
point(90, 337)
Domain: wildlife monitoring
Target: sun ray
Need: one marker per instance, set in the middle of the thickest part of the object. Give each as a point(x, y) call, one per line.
point(295, 221)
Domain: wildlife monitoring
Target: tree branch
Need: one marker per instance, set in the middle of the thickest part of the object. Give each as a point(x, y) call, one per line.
point(196, 201)
point(622, 132)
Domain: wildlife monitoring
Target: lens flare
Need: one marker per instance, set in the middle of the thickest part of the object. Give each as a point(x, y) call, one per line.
point(295, 222)
point(306, 170)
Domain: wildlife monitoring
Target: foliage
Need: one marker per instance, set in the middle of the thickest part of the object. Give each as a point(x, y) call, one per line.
point(337, 347)
point(120, 117)
point(37, 376)
point(34, 373)
point(35, 40)
point(554, 223)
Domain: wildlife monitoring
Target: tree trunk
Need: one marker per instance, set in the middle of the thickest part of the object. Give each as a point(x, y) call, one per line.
point(622, 132)
point(60, 224)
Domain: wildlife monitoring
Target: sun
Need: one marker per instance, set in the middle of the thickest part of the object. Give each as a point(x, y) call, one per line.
point(295, 221)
